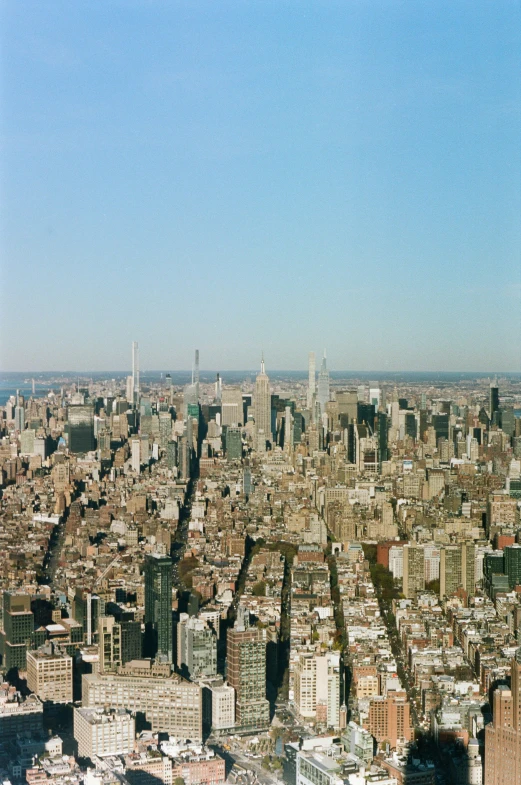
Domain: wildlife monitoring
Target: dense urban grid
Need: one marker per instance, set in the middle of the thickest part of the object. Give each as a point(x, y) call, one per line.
point(299, 580)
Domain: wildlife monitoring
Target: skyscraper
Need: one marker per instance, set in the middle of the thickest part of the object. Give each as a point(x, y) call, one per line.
point(323, 385)
point(262, 407)
point(503, 734)
point(246, 673)
point(494, 399)
point(196, 373)
point(413, 570)
point(312, 382)
point(135, 370)
point(80, 428)
point(18, 626)
point(158, 606)
point(196, 647)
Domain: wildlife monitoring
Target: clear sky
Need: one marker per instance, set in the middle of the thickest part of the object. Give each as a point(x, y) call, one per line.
point(239, 176)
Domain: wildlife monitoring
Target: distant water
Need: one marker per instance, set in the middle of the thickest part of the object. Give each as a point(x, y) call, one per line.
point(45, 382)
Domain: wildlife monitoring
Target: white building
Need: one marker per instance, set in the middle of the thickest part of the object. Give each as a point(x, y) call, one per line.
point(49, 674)
point(101, 731)
point(396, 561)
point(317, 687)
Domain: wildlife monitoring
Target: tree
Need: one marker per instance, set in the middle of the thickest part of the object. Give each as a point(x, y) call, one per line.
point(179, 781)
point(259, 589)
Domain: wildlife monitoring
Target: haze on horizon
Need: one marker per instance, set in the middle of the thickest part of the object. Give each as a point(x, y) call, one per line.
point(263, 176)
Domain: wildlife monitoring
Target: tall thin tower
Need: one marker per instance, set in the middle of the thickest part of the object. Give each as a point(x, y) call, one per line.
point(196, 373)
point(262, 407)
point(323, 385)
point(135, 370)
point(312, 380)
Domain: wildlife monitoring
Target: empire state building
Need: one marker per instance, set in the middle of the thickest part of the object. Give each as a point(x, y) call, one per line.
point(262, 409)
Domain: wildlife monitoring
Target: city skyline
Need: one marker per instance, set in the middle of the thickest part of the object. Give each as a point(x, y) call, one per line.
point(262, 175)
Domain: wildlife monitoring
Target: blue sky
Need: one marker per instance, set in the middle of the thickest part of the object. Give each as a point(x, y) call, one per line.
point(240, 176)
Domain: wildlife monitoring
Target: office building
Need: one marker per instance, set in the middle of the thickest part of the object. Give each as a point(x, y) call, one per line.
point(312, 381)
point(196, 375)
point(503, 734)
point(413, 570)
point(232, 412)
point(49, 674)
point(389, 718)
point(317, 687)
point(233, 444)
point(80, 428)
point(86, 609)
point(19, 716)
point(19, 415)
point(323, 392)
point(382, 428)
point(158, 607)
point(450, 570)
point(262, 408)
point(100, 731)
point(119, 642)
point(493, 405)
point(196, 647)
point(218, 704)
point(18, 626)
point(246, 673)
point(135, 373)
point(512, 555)
point(170, 704)
point(468, 567)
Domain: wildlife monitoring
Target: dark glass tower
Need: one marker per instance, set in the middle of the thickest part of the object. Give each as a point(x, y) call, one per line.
point(383, 452)
point(158, 607)
point(494, 399)
point(80, 428)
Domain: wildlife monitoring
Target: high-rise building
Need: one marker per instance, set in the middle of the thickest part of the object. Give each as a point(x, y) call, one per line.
point(19, 413)
point(49, 674)
point(413, 570)
point(165, 428)
point(19, 716)
point(383, 427)
point(196, 373)
point(184, 457)
point(450, 570)
point(218, 704)
point(312, 381)
point(169, 703)
point(80, 428)
point(262, 407)
point(389, 718)
point(468, 567)
point(86, 609)
point(158, 607)
point(288, 428)
point(317, 687)
point(503, 734)
point(101, 731)
point(513, 564)
point(218, 389)
point(196, 647)
point(493, 399)
point(375, 397)
point(119, 642)
point(18, 626)
point(246, 673)
point(233, 444)
point(323, 385)
point(135, 372)
point(232, 412)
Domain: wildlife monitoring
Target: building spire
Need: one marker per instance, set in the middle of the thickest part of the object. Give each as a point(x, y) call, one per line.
point(262, 363)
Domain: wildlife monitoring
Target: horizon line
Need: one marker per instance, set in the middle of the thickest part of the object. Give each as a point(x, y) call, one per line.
point(128, 372)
